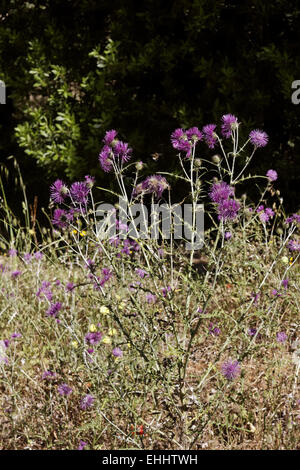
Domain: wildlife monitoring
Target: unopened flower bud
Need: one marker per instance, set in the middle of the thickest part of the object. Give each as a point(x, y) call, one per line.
point(216, 159)
point(139, 166)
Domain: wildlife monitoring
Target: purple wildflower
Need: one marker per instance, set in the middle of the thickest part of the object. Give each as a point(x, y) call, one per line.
point(266, 214)
point(151, 299)
point(82, 445)
point(105, 158)
point(227, 235)
point(220, 192)
point(15, 274)
point(294, 245)
point(60, 218)
point(122, 151)
point(231, 369)
point(93, 338)
point(228, 209)
point(70, 286)
point(272, 175)
point(258, 138)
point(58, 191)
point(27, 257)
point(210, 135)
point(110, 137)
point(180, 141)
point(45, 289)
point(64, 389)
point(16, 335)
point(252, 331)
point(155, 184)
point(12, 252)
point(293, 218)
point(48, 374)
point(79, 192)
point(38, 255)
point(117, 352)
point(87, 401)
point(281, 337)
point(229, 123)
point(214, 330)
point(141, 272)
point(54, 309)
point(89, 181)
point(194, 135)
point(285, 283)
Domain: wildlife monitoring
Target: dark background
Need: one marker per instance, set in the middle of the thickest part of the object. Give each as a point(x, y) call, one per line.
point(74, 69)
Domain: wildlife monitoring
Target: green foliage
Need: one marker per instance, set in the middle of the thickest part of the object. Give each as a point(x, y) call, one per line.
point(74, 70)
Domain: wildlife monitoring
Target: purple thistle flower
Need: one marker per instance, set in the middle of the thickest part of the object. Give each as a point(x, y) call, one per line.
point(272, 175)
point(231, 369)
point(79, 192)
point(214, 330)
point(82, 445)
point(258, 138)
point(16, 335)
point(220, 191)
point(15, 274)
point(228, 209)
point(255, 296)
point(58, 191)
point(64, 389)
point(122, 151)
point(194, 135)
point(117, 352)
point(110, 137)
point(27, 257)
point(12, 252)
point(266, 215)
point(293, 218)
point(210, 135)
point(281, 337)
point(60, 218)
point(151, 299)
point(229, 122)
point(93, 338)
point(70, 286)
point(89, 181)
point(87, 401)
point(179, 140)
point(105, 158)
point(54, 309)
point(45, 289)
point(252, 331)
point(275, 293)
point(155, 184)
point(294, 245)
point(165, 290)
point(141, 272)
point(48, 374)
point(38, 255)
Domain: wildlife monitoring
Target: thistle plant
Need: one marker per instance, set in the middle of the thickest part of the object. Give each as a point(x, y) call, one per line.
point(148, 329)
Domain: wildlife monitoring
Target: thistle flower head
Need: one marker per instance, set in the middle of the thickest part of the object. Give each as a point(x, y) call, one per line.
point(58, 191)
point(229, 123)
point(231, 369)
point(258, 138)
